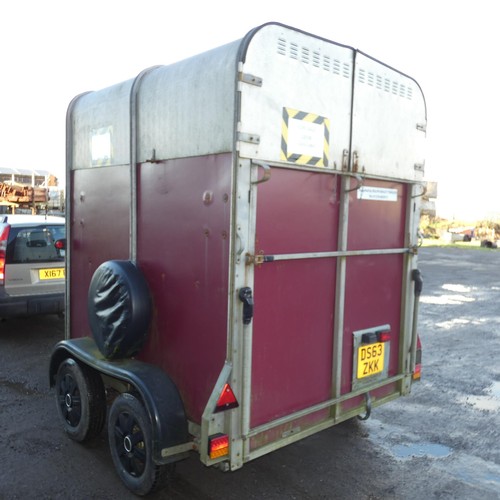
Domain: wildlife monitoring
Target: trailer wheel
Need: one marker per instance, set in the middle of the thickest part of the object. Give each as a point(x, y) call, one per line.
point(119, 308)
point(129, 433)
point(81, 401)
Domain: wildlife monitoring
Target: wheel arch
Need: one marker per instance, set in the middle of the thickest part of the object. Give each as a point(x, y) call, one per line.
point(159, 394)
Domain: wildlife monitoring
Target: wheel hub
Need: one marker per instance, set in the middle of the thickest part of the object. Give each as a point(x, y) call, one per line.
point(68, 401)
point(127, 444)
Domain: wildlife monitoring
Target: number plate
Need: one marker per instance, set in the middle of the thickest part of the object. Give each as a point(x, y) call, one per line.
point(370, 359)
point(54, 273)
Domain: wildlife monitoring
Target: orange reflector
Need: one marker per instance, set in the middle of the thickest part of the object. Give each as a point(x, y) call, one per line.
point(417, 374)
point(218, 446)
point(227, 399)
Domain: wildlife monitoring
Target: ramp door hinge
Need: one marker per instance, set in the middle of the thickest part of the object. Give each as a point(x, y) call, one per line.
point(251, 79)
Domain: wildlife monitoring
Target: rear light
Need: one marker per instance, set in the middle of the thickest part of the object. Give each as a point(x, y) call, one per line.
point(3, 252)
point(218, 446)
point(384, 336)
point(417, 374)
point(374, 336)
point(227, 399)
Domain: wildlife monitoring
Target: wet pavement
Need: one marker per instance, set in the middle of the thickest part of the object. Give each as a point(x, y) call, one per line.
point(440, 442)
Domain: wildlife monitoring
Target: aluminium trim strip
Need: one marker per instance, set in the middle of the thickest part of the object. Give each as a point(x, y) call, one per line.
point(275, 445)
point(320, 406)
point(346, 253)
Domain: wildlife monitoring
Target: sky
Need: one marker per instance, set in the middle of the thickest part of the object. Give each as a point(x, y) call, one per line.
point(52, 50)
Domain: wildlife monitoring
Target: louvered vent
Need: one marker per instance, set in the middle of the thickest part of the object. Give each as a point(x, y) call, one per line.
point(386, 84)
point(313, 58)
point(327, 63)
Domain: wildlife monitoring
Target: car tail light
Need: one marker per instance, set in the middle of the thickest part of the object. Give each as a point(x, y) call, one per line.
point(227, 399)
point(218, 446)
point(3, 252)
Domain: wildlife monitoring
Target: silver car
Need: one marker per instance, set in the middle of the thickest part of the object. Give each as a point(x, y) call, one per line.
point(32, 265)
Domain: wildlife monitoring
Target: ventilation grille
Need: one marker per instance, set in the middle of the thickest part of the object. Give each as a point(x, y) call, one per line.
point(341, 68)
point(386, 84)
point(316, 59)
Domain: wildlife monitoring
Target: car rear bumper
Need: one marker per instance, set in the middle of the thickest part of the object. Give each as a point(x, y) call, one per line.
point(11, 306)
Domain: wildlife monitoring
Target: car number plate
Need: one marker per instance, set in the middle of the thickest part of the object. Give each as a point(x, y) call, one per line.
point(54, 273)
point(370, 359)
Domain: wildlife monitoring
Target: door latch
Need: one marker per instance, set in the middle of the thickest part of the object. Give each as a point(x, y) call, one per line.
point(245, 295)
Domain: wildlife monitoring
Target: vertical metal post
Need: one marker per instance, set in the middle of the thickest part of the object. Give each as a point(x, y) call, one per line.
point(134, 93)
point(70, 197)
point(338, 327)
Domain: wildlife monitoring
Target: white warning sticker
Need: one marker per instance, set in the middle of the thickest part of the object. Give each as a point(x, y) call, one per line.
point(377, 193)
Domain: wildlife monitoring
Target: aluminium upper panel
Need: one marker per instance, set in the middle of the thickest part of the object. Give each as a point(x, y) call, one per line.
point(100, 128)
point(293, 98)
point(184, 109)
point(389, 122)
point(301, 111)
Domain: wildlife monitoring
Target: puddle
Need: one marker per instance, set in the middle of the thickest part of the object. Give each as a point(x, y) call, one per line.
point(446, 300)
point(403, 445)
point(489, 402)
point(448, 325)
point(420, 450)
point(456, 288)
point(494, 390)
point(480, 476)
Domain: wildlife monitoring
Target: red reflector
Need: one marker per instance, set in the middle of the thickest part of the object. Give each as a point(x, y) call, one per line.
point(384, 336)
point(227, 399)
point(59, 245)
point(218, 445)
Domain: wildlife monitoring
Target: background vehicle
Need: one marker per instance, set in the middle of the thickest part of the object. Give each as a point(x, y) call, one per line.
point(264, 285)
point(32, 265)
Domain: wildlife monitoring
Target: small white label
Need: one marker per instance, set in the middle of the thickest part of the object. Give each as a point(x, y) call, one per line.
point(100, 145)
point(377, 193)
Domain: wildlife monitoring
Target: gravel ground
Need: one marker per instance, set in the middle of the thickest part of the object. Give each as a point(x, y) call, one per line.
point(442, 441)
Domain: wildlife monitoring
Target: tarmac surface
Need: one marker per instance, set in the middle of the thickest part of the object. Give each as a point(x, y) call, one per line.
point(440, 442)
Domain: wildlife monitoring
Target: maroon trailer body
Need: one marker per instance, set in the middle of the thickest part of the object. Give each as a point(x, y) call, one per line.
point(242, 251)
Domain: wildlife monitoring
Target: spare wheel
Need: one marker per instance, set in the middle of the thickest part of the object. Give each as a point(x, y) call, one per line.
point(119, 308)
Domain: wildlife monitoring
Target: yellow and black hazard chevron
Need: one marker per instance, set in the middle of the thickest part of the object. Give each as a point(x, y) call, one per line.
point(287, 153)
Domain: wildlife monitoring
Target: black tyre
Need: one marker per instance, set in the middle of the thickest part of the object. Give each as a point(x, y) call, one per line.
point(119, 308)
point(81, 400)
point(129, 433)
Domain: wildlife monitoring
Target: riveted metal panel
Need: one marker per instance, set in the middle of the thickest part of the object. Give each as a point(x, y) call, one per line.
point(389, 121)
point(101, 128)
point(187, 109)
point(301, 112)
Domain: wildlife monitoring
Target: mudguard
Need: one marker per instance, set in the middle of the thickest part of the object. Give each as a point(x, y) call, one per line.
point(159, 394)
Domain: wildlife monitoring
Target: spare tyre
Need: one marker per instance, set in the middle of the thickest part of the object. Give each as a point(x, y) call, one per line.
point(119, 308)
